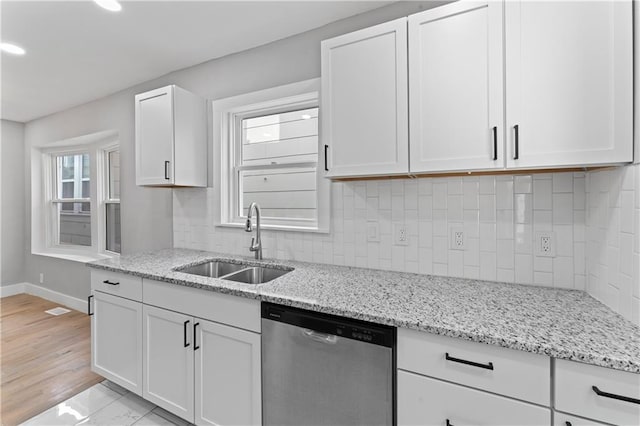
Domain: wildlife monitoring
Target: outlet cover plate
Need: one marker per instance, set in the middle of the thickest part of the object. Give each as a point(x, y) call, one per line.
point(457, 238)
point(545, 244)
point(400, 234)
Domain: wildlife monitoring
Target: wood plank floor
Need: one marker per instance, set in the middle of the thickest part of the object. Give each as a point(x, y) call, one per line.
point(45, 359)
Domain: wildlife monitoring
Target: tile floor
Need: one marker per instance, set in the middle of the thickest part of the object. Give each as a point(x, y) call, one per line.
point(105, 404)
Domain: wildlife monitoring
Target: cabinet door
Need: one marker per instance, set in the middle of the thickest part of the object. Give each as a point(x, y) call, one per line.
point(227, 375)
point(364, 101)
point(116, 340)
point(456, 81)
point(569, 83)
point(426, 401)
point(154, 137)
point(168, 361)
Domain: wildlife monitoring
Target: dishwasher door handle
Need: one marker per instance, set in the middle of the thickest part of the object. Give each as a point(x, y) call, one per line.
point(326, 338)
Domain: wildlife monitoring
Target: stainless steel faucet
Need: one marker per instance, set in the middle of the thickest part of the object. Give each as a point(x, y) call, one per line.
point(256, 242)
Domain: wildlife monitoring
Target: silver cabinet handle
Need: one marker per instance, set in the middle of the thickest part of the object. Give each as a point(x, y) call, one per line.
point(326, 338)
point(166, 170)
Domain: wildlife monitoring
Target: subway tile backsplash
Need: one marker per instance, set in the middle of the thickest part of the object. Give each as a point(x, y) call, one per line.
point(501, 215)
point(613, 239)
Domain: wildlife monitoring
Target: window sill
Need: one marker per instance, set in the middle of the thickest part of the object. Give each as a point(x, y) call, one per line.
point(74, 255)
point(267, 227)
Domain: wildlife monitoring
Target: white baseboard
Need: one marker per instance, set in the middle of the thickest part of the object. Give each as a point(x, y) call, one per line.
point(45, 293)
point(54, 296)
point(13, 289)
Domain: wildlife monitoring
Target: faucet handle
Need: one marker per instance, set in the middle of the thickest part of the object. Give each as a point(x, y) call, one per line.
point(253, 244)
point(247, 226)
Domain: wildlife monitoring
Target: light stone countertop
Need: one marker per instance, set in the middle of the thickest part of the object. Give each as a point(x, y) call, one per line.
point(565, 324)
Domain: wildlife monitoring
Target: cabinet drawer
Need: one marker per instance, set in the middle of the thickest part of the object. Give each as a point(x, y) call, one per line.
point(118, 284)
point(504, 371)
point(425, 401)
point(562, 419)
point(223, 308)
point(575, 393)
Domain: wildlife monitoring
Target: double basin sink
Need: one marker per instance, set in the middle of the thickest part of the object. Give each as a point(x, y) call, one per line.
point(242, 273)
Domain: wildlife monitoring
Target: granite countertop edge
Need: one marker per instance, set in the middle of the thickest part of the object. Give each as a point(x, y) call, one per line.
point(258, 292)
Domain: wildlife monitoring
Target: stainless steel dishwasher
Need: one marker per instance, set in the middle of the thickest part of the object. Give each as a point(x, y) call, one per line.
point(321, 369)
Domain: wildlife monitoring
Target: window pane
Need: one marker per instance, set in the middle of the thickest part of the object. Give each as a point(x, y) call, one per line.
point(113, 227)
point(67, 190)
point(290, 137)
point(114, 175)
point(86, 189)
point(73, 176)
point(67, 166)
point(85, 166)
point(281, 193)
point(75, 225)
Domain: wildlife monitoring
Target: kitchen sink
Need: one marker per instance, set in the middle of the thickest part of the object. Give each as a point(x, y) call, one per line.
point(256, 275)
point(234, 272)
point(213, 269)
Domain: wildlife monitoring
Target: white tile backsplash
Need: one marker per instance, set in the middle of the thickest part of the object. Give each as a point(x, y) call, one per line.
point(612, 235)
point(499, 215)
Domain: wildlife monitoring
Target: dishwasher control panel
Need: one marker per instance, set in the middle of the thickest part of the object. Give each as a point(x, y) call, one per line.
point(330, 324)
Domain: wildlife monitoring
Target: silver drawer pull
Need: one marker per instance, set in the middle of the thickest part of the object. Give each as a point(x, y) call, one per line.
point(329, 339)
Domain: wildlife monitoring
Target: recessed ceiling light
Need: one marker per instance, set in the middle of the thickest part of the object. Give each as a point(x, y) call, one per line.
point(110, 5)
point(12, 48)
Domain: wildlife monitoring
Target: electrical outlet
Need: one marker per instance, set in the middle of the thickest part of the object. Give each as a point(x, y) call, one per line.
point(41, 278)
point(545, 244)
point(400, 236)
point(457, 238)
point(373, 232)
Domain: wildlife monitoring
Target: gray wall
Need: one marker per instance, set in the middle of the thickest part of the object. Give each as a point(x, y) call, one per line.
point(147, 212)
point(12, 225)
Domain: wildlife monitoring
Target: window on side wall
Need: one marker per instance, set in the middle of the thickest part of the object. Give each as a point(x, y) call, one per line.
point(112, 201)
point(72, 200)
point(76, 211)
point(269, 144)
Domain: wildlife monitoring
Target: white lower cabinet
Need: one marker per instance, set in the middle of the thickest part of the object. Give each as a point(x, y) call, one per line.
point(204, 372)
point(116, 340)
point(598, 393)
point(425, 401)
point(168, 361)
point(227, 375)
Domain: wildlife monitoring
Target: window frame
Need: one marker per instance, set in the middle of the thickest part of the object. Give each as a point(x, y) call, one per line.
point(228, 114)
point(45, 196)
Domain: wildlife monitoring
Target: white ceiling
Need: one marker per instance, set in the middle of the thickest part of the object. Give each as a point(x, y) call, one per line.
point(78, 52)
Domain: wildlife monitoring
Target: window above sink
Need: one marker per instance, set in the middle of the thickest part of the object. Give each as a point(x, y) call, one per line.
point(270, 154)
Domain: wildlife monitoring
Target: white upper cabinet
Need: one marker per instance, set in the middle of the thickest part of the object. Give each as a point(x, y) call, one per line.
point(568, 83)
point(491, 85)
point(456, 88)
point(364, 101)
point(171, 141)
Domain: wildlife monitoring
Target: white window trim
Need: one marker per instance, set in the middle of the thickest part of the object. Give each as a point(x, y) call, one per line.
point(226, 113)
point(43, 178)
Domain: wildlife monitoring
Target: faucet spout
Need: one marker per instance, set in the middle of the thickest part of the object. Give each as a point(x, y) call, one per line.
point(256, 242)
